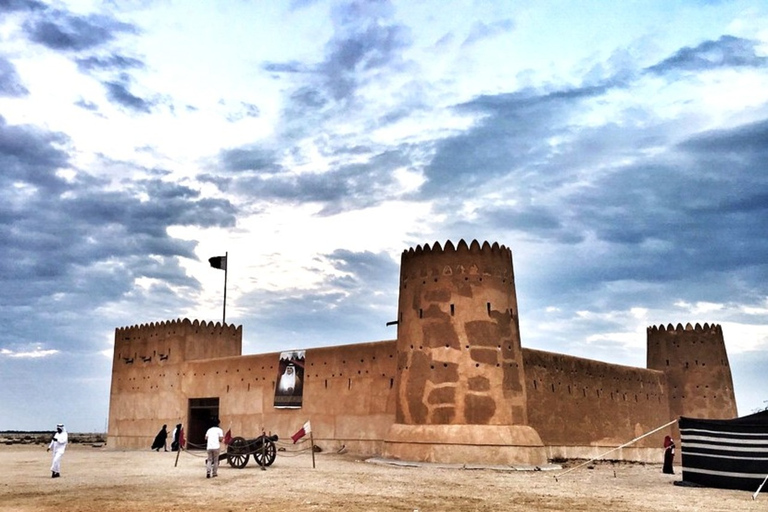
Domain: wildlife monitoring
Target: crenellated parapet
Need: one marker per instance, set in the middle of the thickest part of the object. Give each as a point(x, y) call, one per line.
point(462, 247)
point(154, 329)
point(469, 261)
point(176, 341)
point(688, 327)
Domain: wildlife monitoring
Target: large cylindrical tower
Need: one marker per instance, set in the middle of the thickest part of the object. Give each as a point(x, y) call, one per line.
point(460, 382)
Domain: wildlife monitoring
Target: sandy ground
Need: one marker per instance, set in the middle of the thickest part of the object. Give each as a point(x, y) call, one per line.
point(98, 479)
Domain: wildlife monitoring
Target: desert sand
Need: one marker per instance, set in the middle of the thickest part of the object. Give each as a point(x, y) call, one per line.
point(100, 479)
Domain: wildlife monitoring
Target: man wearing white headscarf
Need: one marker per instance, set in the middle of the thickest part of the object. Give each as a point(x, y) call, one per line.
point(58, 445)
point(290, 383)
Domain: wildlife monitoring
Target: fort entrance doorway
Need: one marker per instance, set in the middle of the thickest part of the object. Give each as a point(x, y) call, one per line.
point(202, 413)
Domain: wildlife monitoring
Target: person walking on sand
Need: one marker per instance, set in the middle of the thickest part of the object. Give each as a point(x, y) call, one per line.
point(213, 438)
point(58, 444)
point(175, 438)
point(161, 440)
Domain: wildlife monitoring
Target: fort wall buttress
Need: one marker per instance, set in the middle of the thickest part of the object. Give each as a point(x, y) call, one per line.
point(697, 368)
point(575, 402)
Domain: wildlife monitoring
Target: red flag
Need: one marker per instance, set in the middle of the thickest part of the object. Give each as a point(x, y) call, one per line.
point(306, 429)
point(182, 441)
point(228, 437)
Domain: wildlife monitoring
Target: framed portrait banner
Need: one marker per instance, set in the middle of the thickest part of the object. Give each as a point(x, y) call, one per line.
point(289, 385)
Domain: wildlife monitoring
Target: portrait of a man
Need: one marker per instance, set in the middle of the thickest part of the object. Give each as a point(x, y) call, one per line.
point(289, 386)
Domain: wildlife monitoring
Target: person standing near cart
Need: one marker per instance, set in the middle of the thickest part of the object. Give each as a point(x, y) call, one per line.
point(213, 438)
point(58, 444)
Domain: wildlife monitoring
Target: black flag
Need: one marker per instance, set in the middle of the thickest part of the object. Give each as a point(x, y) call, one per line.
point(218, 262)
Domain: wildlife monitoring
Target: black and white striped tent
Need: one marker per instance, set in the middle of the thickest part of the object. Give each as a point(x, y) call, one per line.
point(730, 454)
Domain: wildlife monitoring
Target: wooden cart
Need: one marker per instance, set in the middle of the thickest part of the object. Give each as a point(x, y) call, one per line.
point(262, 448)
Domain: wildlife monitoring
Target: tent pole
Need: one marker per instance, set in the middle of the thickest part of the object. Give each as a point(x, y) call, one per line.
point(617, 448)
point(754, 496)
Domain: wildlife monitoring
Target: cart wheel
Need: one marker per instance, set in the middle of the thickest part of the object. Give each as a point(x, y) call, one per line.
point(265, 456)
point(237, 453)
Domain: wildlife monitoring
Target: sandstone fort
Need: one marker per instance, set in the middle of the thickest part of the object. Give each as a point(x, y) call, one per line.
point(455, 386)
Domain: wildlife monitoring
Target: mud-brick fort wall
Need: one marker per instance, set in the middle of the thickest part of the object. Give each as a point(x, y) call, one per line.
point(575, 402)
point(576, 405)
point(348, 390)
point(348, 394)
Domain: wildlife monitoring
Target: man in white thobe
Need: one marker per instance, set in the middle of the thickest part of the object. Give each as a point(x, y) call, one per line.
point(58, 445)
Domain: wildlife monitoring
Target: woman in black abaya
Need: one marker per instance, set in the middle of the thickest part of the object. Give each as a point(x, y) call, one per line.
point(669, 455)
point(160, 439)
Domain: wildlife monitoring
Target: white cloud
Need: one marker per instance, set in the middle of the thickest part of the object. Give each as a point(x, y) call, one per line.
point(31, 354)
point(700, 308)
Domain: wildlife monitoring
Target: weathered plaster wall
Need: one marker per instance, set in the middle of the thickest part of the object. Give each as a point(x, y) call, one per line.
point(348, 394)
point(579, 407)
point(576, 402)
point(348, 391)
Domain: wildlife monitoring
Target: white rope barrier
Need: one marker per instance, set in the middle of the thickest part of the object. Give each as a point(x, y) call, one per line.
point(283, 447)
point(617, 448)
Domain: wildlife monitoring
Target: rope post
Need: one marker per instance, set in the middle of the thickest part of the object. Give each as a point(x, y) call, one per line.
point(312, 447)
point(177, 457)
point(263, 451)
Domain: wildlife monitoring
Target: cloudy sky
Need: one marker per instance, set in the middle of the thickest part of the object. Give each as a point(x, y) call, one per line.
point(620, 149)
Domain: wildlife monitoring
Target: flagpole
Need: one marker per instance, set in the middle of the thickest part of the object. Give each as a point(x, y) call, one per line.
point(226, 267)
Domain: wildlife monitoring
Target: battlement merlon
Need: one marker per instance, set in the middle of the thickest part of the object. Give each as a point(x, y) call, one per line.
point(176, 341)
